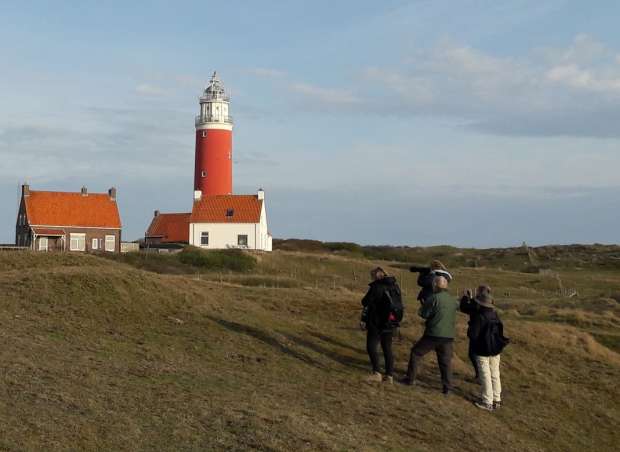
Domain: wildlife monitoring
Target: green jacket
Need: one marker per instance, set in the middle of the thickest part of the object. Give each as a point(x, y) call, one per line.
point(439, 310)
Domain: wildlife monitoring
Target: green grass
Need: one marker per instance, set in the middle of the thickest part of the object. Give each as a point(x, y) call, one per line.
point(111, 354)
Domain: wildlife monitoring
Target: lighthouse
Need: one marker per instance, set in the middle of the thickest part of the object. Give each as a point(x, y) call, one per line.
point(218, 220)
point(213, 167)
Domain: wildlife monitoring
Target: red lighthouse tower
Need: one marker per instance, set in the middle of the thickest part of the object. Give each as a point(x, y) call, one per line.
point(213, 169)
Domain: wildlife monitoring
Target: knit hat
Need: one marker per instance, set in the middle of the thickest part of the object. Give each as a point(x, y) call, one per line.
point(444, 273)
point(485, 300)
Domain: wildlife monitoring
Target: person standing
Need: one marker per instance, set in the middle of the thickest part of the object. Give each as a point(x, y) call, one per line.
point(469, 306)
point(487, 336)
point(379, 320)
point(439, 312)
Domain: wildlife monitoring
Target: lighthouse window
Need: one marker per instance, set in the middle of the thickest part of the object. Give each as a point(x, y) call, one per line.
point(204, 134)
point(203, 174)
point(204, 239)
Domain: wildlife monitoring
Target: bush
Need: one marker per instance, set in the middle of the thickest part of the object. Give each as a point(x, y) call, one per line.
point(348, 247)
point(234, 260)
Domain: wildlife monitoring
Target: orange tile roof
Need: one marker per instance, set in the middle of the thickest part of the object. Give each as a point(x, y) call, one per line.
point(50, 208)
point(214, 209)
point(171, 227)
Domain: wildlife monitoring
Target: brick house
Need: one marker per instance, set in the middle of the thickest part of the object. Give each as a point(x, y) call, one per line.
point(168, 229)
point(68, 221)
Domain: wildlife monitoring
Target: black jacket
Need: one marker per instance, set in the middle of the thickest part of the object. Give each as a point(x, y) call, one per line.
point(470, 307)
point(376, 304)
point(478, 321)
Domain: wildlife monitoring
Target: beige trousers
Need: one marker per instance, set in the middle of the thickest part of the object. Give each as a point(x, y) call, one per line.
point(489, 378)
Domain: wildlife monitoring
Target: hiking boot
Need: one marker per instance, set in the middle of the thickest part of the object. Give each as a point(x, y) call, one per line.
point(484, 406)
point(497, 405)
point(406, 381)
point(446, 392)
point(388, 379)
point(374, 377)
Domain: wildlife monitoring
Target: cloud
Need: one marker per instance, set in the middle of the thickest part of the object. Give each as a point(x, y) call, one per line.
point(573, 91)
point(575, 77)
point(325, 96)
point(267, 72)
point(149, 90)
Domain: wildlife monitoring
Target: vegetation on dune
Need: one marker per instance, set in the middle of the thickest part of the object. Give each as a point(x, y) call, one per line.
point(234, 260)
point(189, 260)
point(524, 258)
point(99, 354)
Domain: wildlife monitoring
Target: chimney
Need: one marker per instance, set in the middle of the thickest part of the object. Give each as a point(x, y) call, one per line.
point(156, 213)
point(25, 190)
point(84, 191)
point(261, 194)
point(112, 193)
point(197, 195)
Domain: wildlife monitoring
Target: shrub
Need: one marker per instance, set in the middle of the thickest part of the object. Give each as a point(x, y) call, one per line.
point(234, 260)
point(352, 248)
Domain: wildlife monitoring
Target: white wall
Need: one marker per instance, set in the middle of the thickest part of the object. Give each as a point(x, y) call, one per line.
point(225, 235)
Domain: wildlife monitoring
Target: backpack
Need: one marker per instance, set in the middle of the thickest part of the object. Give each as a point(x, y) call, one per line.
point(492, 340)
point(397, 309)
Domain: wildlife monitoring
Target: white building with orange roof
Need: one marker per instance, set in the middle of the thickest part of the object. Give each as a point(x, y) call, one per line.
point(229, 221)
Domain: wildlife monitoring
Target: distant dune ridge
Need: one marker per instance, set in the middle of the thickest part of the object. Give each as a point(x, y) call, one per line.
point(203, 351)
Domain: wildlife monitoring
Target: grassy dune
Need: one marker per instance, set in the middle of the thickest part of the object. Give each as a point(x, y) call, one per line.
point(128, 354)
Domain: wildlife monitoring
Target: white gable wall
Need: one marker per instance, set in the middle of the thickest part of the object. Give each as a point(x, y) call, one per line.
point(225, 235)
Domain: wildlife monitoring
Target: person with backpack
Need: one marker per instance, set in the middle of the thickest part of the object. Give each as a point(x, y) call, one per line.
point(487, 335)
point(439, 312)
point(381, 314)
point(426, 277)
point(469, 306)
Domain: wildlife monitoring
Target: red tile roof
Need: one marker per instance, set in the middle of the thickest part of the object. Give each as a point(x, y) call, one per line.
point(48, 231)
point(214, 209)
point(49, 208)
point(171, 227)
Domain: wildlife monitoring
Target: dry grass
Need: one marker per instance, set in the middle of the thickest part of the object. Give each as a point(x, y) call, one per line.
point(99, 355)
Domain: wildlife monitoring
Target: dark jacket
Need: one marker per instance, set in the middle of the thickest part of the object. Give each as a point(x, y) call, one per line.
point(439, 310)
point(425, 281)
point(377, 305)
point(477, 323)
point(470, 307)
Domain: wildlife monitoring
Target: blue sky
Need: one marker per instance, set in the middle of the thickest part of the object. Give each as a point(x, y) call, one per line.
point(474, 123)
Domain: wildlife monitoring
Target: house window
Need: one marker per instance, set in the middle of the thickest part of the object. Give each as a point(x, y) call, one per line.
point(242, 240)
point(42, 243)
point(77, 242)
point(95, 244)
point(204, 239)
point(110, 243)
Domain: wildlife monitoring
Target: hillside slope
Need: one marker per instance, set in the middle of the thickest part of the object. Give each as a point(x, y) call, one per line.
point(97, 354)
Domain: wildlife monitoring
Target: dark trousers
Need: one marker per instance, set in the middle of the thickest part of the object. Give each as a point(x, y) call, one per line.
point(373, 338)
point(472, 358)
point(443, 348)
